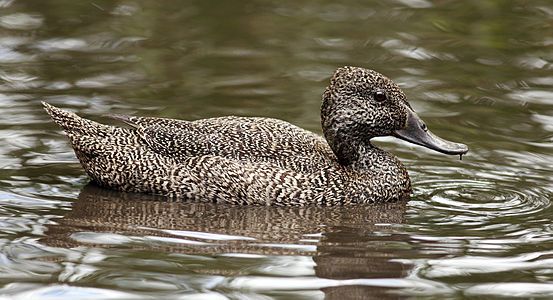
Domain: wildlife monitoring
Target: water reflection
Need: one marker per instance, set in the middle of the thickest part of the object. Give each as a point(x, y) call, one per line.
point(344, 242)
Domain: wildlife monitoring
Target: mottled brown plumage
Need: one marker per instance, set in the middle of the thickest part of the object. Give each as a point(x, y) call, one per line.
point(256, 160)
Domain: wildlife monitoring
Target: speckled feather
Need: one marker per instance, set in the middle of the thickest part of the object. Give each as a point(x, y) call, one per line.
point(259, 161)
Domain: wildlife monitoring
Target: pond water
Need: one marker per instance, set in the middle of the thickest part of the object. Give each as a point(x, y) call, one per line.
point(478, 72)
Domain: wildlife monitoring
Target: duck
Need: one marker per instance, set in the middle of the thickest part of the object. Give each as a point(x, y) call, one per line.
point(258, 160)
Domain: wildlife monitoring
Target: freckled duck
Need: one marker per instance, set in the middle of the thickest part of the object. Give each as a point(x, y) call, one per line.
point(262, 161)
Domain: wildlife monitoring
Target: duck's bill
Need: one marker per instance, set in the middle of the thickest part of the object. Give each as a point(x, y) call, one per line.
point(416, 132)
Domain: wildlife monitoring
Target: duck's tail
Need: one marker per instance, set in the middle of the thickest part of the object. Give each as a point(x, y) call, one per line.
point(112, 156)
point(88, 138)
point(93, 142)
point(73, 124)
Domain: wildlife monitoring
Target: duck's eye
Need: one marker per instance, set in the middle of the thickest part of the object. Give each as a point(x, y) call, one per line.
point(380, 96)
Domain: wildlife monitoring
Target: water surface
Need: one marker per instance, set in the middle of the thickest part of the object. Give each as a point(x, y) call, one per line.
point(478, 72)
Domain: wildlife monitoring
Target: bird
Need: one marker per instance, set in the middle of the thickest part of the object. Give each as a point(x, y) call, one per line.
point(258, 160)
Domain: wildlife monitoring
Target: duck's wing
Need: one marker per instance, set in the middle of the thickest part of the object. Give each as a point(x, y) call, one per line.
point(212, 178)
point(247, 139)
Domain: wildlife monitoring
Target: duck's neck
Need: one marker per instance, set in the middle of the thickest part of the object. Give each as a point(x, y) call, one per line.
point(387, 176)
point(364, 156)
point(347, 150)
point(377, 161)
point(382, 169)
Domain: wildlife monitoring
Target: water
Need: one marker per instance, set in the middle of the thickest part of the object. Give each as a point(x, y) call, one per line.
point(478, 72)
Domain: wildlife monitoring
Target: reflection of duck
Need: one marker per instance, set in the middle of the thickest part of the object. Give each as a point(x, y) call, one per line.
point(260, 160)
point(341, 240)
point(111, 211)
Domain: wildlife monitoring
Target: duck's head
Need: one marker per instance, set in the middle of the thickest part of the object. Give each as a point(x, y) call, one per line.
point(360, 104)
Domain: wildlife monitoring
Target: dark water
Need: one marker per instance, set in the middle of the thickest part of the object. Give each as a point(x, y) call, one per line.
point(479, 72)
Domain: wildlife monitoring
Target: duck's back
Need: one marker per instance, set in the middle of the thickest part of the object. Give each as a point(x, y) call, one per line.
point(247, 139)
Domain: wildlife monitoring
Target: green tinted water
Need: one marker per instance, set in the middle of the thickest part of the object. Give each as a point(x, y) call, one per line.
point(478, 72)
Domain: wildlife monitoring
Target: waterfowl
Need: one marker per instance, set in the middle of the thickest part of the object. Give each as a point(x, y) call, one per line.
point(262, 161)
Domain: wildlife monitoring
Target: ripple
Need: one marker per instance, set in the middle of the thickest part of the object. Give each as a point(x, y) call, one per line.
point(21, 21)
point(30, 291)
point(57, 44)
point(257, 283)
point(487, 208)
point(416, 3)
point(125, 10)
point(108, 80)
point(207, 235)
point(512, 289)
point(471, 265)
point(93, 43)
point(532, 96)
point(545, 120)
point(481, 200)
point(14, 200)
point(9, 55)
point(401, 48)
